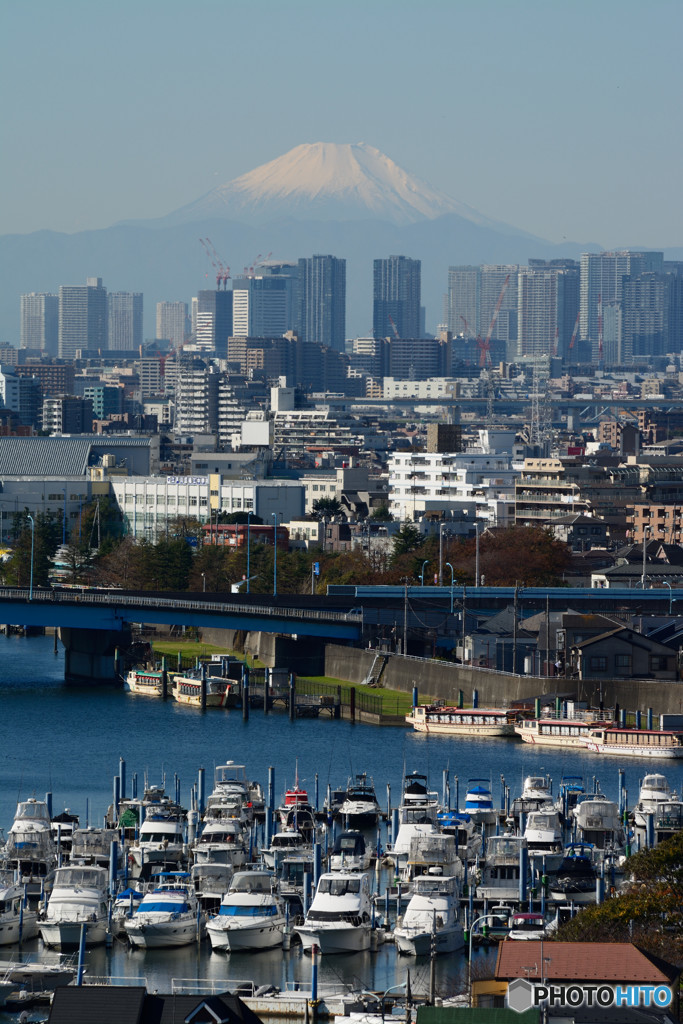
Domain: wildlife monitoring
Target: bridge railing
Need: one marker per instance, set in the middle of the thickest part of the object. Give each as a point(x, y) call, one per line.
point(116, 600)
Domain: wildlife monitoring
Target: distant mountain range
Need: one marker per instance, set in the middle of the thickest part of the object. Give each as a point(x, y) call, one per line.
point(348, 200)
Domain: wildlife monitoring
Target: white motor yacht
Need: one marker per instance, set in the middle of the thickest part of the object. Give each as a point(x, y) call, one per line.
point(500, 876)
point(527, 926)
point(80, 896)
point(221, 842)
point(537, 795)
point(160, 841)
point(17, 921)
point(430, 923)
point(543, 833)
point(125, 906)
point(251, 916)
point(339, 918)
point(461, 826)
point(286, 843)
point(350, 853)
point(417, 816)
point(654, 790)
point(598, 822)
point(359, 808)
point(30, 849)
point(167, 916)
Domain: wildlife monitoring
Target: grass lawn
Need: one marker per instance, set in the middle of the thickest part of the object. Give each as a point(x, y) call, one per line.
point(194, 648)
point(394, 702)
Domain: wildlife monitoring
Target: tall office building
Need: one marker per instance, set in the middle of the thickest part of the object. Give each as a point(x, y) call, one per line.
point(396, 298)
point(493, 278)
point(322, 301)
point(214, 321)
point(602, 276)
point(172, 322)
point(547, 304)
point(40, 322)
point(124, 320)
point(463, 301)
point(82, 318)
point(262, 306)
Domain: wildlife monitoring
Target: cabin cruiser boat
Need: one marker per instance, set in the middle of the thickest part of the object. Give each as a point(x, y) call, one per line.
point(536, 796)
point(460, 825)
point(125, 906)
point(93, 846)
point(543, 833)
point(360, 808)
point(339, 918)
point(527, 926)
point(349, 853)
point(251, 916)
point(221, 842)
point(160, 841)
point(430, 923)
point(570, 792)
point(479, 802)
point(167, 916)
point(17, 921)
point(500, 876)
point(654, 789)
point(287, 842)
point(80, 896)
point(63, 827)
point(417, 816)
point(30, 849)
point(432, 855)
point(211, 882)
point(576, 876)
point(668, 820)
point(598, 823)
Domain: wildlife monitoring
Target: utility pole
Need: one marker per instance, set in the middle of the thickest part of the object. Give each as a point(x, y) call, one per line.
point(405, 615)
point(514, 631)
point(464, 620)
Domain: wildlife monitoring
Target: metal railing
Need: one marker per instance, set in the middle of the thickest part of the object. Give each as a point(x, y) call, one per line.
point(213, 607)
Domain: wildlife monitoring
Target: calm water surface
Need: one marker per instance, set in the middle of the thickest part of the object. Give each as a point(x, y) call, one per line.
point(68, 741)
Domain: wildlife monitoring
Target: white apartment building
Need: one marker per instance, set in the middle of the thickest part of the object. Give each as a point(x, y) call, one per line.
point(435, 387)
point(149, 503)
point(421, 482)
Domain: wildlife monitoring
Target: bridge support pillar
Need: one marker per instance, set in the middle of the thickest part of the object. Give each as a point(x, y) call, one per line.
point(90, 654)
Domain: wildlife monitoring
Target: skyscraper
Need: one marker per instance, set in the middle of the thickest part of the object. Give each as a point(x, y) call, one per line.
point(262, 306)
point(463, 300)
point(396, 297)
point(322, 301)
point(172, 323)
point(124, 319)
point(602, 276)
point(40, 322)
point(493, 277)
point(547, 304)
point(82, 317)
point(214, 321)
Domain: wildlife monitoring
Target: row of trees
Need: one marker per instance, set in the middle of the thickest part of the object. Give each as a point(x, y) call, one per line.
point(97, 553)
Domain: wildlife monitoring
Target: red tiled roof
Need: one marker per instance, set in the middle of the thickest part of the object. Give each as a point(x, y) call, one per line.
point(578, 961)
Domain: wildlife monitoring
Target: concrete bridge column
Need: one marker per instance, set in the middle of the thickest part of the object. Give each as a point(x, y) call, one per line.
point(89, 654)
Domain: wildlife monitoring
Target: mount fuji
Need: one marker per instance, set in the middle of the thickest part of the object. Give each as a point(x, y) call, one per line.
point(326, 181)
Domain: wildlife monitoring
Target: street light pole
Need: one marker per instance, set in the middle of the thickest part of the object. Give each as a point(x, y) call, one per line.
point(249, 515)
point(441, 526)
point(476, 556)
point(203, 582)
point(422, 574)
point(33, 536)
point(476, 921)
point(275, 515)
point(452, 579)
point(667, 584)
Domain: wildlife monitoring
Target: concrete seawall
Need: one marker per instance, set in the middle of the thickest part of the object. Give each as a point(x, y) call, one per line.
point(443, 680)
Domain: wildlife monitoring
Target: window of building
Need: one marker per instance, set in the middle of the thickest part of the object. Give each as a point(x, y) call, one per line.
point(130, 499)
point(171, 499)
point(193, 501)
point(598, 664)
point(657, 662)
point(202, 501)
point(622, 664)
point(151, 498)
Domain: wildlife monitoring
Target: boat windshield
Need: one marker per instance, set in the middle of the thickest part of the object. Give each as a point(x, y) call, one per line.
point(31, 810)
point(338, 886)
point(90, 877)
point(251, 881)
point(262, 911)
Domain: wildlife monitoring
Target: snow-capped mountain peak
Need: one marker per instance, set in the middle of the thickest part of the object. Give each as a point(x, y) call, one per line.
point(327, 181)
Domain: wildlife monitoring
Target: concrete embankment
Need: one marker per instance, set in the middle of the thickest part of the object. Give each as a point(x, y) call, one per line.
point(443, 680)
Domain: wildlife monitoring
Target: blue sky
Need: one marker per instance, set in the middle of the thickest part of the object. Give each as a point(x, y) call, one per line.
point(562, 119)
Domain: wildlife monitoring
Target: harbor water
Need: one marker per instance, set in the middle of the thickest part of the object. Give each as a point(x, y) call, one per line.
point(68, 740)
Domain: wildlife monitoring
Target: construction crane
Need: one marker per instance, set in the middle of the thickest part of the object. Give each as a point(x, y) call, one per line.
point(222, 269)
point(575, 331)
point(393, 326)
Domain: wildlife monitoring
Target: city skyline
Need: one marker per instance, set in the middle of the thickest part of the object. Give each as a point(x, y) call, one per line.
point(571, 159)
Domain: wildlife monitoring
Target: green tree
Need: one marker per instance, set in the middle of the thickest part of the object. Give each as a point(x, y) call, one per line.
point(407, 540)
point(44, 538)
point(382, 514)
point(326, 508)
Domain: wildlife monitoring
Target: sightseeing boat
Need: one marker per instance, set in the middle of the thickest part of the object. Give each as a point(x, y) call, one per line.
point(613, 739)
point(442, 719)
point(148, 682)
point(557, 732)
point(188, 690)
